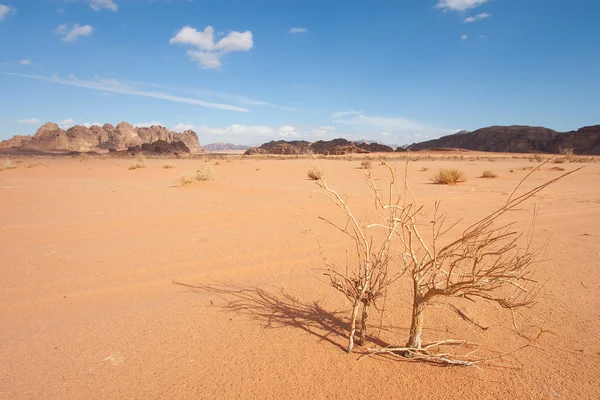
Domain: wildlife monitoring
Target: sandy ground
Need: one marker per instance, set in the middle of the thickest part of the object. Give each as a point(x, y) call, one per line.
point(89, 252)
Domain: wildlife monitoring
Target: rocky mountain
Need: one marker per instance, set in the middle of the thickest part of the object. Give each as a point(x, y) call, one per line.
point(51, 138)
point(330, 147)
point(519, 139)
point(224, 147)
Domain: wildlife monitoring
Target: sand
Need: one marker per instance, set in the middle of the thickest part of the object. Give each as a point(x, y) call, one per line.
point(90, 251)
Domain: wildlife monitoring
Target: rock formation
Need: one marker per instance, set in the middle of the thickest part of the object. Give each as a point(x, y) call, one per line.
point(224, 147)
point(519, 139)
point(329, 147)
point(51, 138)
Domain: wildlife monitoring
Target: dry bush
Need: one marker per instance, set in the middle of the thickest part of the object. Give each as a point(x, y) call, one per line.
point(83, 157)
point(424, 169)
point(450, 176)
point(538, 158)
point(205, 174)
point(140, 162)
point(366, 164)
point(559, 161)
point(489, 174)
point(7, 164)
point(557, 169)
point(315, 173)
point(487, 261)
point(185, 179)
point(169, 166)
point(217, 163)
point(33, 165)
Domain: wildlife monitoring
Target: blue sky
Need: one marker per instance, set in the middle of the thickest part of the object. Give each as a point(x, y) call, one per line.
point(250, 71)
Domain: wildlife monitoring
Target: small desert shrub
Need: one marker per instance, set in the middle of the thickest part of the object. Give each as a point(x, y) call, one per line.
point(449, 176)
point(489, 174)
point(205, 174)
point(538, 158)
point(559, 160)
point(83, 157)
point(366, 164)
point(314, 173)
point(7, 164)
point(557, 169)
point(217, 163)
point(140, 162)
point(168, 166)
point(258, 169)
point(424, 169)
point(185, 179)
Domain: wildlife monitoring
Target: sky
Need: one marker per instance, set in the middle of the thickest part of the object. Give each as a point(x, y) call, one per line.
point(250, 71)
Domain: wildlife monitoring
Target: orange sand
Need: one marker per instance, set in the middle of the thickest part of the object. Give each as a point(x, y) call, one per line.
point(89, 252)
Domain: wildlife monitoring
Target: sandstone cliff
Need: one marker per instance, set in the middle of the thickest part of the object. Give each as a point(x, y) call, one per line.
point(50, 137)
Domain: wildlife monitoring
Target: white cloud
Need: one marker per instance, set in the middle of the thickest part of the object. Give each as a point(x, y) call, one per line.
point(387, 125)
point(114, 86)
point(66, 124)
point(147, 124)
point(98, 5)
point(477, 17)
point(464, 37)
point(5, 10)
point(208, 53)
point(71, 34)
point(25, 62)
point(459, 5)
point(298, 30)
point(341, 114)
point(181, 127)
point(60, 11)
point(323, 130)
point(29, 121)
point(88, 124)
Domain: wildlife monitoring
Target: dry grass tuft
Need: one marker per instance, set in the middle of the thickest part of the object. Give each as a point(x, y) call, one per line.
point(205, 174)
point(33, 165)
point(557, 169)
point(315, 173)
point(7, 164)
point(83, 157)
point(140, 163)
point(169, 166)
point(489, 174)
point(366, 164)
point(450, 176)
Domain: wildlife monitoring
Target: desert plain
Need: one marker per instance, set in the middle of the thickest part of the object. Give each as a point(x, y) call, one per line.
point(120, 283)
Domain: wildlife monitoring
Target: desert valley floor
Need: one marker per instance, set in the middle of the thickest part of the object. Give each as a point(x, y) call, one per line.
point(121, 284)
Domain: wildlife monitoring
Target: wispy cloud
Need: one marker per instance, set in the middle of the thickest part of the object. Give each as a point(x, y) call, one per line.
point(29, 121)
point(5, 10)
point(70, 34)
point(386, 126)
point(477, 17)
point(298, 30)
point(241, 131)
point(148, 124)
point(88, 124)
point(464, 37)
point(67, 123)
point(459, 5)
point(115, 86)
point(25, 62)
point(98, 5)
point(208, 53)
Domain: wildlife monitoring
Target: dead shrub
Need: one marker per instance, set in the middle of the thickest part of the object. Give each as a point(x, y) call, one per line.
point(489, 174)
point(169, 166)
point(366, 164)
point(314, 173)
point(140, 162)
point(7, 164)
point(450, 176)
point(205, 174)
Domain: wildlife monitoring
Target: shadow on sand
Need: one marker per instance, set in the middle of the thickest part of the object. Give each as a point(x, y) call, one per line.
point(278, 309)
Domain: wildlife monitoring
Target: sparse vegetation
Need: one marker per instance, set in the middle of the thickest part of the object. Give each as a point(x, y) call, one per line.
point(7, 164)
point(366, 164)
point(557, 169)
point(487, 261)
point(450, 176)
point(169, 166)
point(559, 161)
point(205, 174)
point(33, 165)
point(83, 157)
point(489, 174)
point(140, 162)
point(314, 173)
point(424, 169)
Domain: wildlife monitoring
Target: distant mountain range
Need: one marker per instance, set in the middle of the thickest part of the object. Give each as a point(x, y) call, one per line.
point(224, 147)
point(510, 139)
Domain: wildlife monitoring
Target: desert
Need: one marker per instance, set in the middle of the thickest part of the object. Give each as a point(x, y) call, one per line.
point(122, 283)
